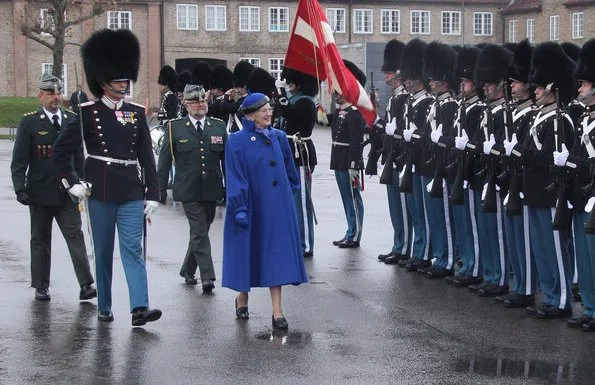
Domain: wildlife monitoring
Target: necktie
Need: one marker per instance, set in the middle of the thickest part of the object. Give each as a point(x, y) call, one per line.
point(198, 127)
point(56, 123)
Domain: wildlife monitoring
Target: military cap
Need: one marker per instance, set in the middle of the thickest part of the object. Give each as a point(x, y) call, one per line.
point(167, 77)
point(254, 102)
point(440, 62)
point(412, 59)
point(493, 64)
point(392, 56)
point(194, 92)
point(552, 69)
point(184, 77)
point(360, 76)
point(49, 82)
point(202, 73)
point(521, 65)
point(241, 73)
point(222, 78)
point(261, 81)
point(308, 85)
point(586, 63)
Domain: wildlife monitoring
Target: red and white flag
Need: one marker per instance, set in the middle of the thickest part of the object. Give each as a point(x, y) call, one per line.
point(312, 50)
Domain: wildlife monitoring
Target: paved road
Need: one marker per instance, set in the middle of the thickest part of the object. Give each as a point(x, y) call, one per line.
point(357, 321)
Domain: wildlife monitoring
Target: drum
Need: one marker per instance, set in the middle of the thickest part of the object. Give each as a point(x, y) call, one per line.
point(157, 133)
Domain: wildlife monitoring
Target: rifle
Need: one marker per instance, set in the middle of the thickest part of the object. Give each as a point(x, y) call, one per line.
point(374, 137)
point(588, 190)
point(562, 216)
point(406, 178)
point(457, 196)
point(437, 191)
point(513, 205)
point(389, 165)
point(489, 202)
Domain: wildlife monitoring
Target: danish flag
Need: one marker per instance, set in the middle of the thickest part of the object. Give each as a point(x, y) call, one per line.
point(312, 50)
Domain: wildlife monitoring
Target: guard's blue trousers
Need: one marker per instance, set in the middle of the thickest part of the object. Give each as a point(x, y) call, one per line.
point(305, 211)
point(491, 242)
point(417, 212)
point(440, 227)
point(585, 263)
point(399, 217)
point(352, 205)
point(520, 253)
point(466, 235)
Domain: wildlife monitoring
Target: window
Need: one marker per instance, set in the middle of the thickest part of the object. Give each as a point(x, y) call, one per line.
point(554, 27)
point(531, 30)
point(451, 23)
point(482, 23)
point(336, 19)
point(46, 68)
point(276, 66)
point(187, 16)
point(578, 20)
point(249, 19)
point(215, 17)
point(252, 60)
point(279, 19)
point(390, 21)
point(129, 92)
point(512, 28)
point(362, 21)
point(420, 22)
point(46, 20)
point(119, 20)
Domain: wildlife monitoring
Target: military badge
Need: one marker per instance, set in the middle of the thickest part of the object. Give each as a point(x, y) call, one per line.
point(42, 116)
point(216, 140)
point(43, 133)
point(125, 117)
point(183, 140)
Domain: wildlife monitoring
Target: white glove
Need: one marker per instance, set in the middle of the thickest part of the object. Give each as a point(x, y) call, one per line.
point(436, 134)
point(484, 192)
point(151, 208)
point(461, 141)
point(429, 186)
point(353, 174)
point(407, 133)
point(280, 83)
point(487, 145)
point(560, 158)
point(509, 144)
point(506, 199)
point(391, 127)
point(80, 190)
point(589, 205)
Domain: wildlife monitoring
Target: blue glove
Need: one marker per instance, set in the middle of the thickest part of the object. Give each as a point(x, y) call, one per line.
point(242, 218)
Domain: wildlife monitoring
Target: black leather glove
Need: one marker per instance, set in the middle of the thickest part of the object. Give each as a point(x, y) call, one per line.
point(23, 198)
point(162, 196)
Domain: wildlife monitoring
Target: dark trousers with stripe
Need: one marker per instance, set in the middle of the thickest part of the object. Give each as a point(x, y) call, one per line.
point(353, 205)
point(417, 212)
point(520, 252)
point(399, 217)
point(466, 235)
point(585, 263)
point(305, 211)
point(552, 258)
point(440, 227)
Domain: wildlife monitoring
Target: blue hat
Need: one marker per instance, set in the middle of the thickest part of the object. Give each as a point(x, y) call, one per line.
point(254, 102)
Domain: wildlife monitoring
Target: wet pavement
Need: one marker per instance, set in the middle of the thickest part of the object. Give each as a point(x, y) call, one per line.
point(358, 321)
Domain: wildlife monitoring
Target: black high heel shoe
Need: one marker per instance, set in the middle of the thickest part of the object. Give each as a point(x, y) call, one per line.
point(241, 312)
point(280, 323)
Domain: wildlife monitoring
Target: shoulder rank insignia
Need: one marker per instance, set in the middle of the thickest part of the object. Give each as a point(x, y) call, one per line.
point(138, 105)
point(43, 132)
point(183, 140)
point(89, 103)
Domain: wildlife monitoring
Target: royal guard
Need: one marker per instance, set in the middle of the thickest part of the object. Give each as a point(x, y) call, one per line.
point(234, 97)
point(222, 82)
point(184, 78)
point(169, 106)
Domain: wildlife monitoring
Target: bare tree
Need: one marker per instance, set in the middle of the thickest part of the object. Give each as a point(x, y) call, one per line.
point(52, 27)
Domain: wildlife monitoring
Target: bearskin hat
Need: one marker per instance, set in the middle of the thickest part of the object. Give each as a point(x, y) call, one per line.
point(413, 59)
point(493, 64)
point(392, 56)
point(521, 64)
point(359, 74)
point(572, 50)
point(261, 81)
point(184, 78)
point(167, 77)
point(551, 65)
point(586, 63)
point(202, 73)
point(222, 78)
point(440, 63)
point(108, 55)
point(466, 62)
point(512, 47)
point(241, 73)
point(308, 85)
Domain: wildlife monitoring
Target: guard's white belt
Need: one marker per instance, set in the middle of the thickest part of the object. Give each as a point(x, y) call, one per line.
point(341, 144)
point(294, 137)
point(114, 160)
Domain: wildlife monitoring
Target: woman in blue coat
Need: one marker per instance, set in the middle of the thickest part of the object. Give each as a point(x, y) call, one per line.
point(261, 243)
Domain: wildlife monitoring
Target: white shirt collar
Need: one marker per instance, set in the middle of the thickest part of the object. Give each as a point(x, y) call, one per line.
point(202, 121)
point(50, 115)
point(108, 102)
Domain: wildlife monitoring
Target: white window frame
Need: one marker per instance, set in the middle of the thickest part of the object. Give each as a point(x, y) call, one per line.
point(252, 60)
point(47, 68)
point(119, 19)
point(276, 66)
point(513, 27)
point(185, 23)
point(45, 17)
point(531, 30)
point(578, 25)
point(388, 17)
point(213, 24)
point(420, 13)
point(555, 27)
point(332, 15)
point(360, 15)
point(251, 11)
point(282, 22)
point(447, 24)
point(484, 17)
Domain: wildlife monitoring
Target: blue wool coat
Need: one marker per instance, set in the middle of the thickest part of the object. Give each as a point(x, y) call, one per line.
point(260, 177)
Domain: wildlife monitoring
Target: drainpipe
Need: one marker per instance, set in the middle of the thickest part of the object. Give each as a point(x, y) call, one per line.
point(162, 33)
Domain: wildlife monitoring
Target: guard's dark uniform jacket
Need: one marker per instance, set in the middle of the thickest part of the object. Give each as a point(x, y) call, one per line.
point(297, 120)
point(233, 109)
point(581, 160)
point(32, 168)
point(471, 123)
point(121, 142)
point(417, 113)
point(216, 109)
point(536, 155)
point(347, 128)
point(392, 145)
point(199, 159)
point(169, 104)
point(447, 116)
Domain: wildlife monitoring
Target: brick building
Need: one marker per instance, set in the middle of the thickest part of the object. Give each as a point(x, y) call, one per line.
point(178, 32)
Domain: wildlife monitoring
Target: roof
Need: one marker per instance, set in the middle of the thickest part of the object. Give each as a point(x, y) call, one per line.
point(575, 3)
point(522, 6)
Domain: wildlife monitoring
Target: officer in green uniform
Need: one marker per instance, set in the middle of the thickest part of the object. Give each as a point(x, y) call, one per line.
point(35, 184)
point(195, 144)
